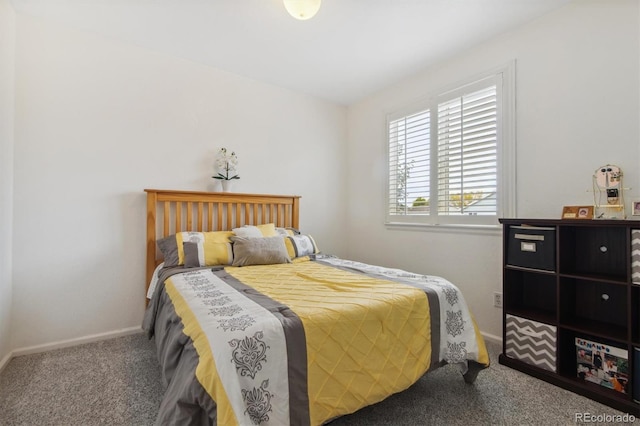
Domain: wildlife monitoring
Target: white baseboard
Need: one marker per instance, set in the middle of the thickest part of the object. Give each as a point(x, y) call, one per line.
point(74, 342)
point(492, 338)
point(5, 361)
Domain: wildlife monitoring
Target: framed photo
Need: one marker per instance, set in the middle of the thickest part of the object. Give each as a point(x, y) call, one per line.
point(635, 208)
point(582, 212)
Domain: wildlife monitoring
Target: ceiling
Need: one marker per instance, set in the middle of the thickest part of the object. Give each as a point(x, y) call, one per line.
point(349, 50)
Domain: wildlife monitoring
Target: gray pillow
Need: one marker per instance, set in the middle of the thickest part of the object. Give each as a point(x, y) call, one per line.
point(259, 251)
point(169, 249)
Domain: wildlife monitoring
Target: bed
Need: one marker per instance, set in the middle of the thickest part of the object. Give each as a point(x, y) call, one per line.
point(253, 324)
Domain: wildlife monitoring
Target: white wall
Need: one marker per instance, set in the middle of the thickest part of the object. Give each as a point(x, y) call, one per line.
point(97, 121)
point(577, 92)
point(7, 62)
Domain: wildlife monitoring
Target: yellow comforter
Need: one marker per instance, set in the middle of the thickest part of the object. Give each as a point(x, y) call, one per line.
point(367, 338)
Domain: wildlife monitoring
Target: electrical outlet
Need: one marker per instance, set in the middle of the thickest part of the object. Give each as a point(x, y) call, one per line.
point(497, 299)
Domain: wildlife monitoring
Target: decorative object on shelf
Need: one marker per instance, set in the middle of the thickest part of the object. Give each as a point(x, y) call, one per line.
point(608, 193)
point(577, 212)
point(302, 9)
point(226, 166)
point(635, 208)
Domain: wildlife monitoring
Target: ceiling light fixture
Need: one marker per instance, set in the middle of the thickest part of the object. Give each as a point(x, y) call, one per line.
point(302, 9)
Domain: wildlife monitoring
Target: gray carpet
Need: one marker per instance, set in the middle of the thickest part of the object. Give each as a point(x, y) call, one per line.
point(117, 382)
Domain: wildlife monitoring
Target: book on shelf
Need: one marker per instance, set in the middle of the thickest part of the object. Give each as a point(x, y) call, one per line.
point(604, 365)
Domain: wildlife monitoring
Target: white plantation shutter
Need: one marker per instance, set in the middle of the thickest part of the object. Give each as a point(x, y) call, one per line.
point(468, 154)
point(409, 163)
point(448, 161)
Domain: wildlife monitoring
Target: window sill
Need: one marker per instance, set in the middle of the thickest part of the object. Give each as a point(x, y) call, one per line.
point(453, 228)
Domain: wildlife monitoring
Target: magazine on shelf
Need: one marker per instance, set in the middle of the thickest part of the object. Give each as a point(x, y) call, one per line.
point(605, 365)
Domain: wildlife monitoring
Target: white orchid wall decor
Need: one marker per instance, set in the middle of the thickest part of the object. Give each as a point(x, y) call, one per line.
point(226, 165)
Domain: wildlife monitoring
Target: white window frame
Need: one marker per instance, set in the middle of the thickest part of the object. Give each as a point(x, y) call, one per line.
point(506, 153)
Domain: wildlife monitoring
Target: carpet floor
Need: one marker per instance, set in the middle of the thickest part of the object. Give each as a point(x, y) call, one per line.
point(117, 382)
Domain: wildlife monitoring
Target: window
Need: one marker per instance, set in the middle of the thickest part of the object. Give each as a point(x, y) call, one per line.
point(451, 158)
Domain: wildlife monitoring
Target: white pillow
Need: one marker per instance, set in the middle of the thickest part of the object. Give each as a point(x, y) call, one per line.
point(248, 231)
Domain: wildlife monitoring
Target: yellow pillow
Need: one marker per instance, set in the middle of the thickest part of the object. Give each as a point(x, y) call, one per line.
point(212, 248)
point(268, 229)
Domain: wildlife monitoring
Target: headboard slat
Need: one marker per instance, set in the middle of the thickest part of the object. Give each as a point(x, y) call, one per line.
point(238, 209)
point(200, 216)
point(219, 226)
point(178, 224)
point(190, 216)
point(228, 210)
point(166, 217)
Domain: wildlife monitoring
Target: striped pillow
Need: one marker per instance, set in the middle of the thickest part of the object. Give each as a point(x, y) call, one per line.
point(300, 245)
point(204, 248)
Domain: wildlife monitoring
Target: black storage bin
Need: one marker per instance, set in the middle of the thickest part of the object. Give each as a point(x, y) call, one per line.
point(532, 247)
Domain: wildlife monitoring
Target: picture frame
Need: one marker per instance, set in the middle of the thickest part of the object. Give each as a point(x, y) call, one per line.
point(635, 208)
point(582, 212)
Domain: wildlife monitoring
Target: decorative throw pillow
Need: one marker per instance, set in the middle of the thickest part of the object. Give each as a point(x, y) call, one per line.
point(209, 238)
point(172, 247)
point(169, 250)
point(268, 229)
point(207, 253)
point(259, 251)
point(301, 245)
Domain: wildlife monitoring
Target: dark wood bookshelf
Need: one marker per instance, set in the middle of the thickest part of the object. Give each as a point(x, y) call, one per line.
point(569, 281)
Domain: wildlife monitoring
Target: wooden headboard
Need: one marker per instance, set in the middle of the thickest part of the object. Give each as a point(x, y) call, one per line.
point(171, 211)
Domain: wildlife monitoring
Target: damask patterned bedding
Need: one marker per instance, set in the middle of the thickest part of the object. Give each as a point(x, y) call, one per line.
point(301, 343)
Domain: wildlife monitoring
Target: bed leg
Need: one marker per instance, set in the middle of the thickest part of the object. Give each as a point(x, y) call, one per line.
point(472, 372)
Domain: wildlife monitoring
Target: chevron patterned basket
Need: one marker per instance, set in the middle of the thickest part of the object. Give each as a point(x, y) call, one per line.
point(531, 342)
